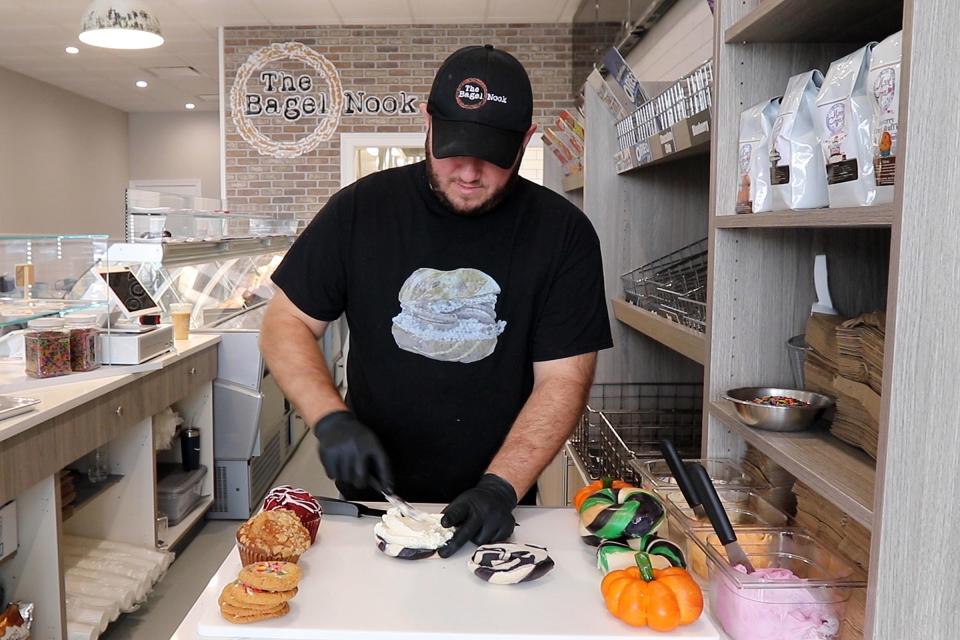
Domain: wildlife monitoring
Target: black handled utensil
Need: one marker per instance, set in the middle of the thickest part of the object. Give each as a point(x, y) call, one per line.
point(683, 480)
point(337, 507)
point(718, 517)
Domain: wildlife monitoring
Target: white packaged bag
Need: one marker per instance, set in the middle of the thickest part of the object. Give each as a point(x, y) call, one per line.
point(753, 160)
point(884, 84)
point(797, 173)
point(844, 114)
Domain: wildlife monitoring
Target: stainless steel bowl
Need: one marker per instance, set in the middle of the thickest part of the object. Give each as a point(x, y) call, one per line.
point(770, 418)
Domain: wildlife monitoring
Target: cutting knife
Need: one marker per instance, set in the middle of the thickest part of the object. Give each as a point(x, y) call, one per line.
point(337, 507)
point(683, 479)
point(406, 509)
point(718, 517)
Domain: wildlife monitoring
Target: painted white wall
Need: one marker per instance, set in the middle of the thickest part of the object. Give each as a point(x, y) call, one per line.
point(63, 160)
point(175, 146)
point(676, 45)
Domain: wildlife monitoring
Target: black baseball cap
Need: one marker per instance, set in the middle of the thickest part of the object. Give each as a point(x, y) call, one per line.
point(481, 105)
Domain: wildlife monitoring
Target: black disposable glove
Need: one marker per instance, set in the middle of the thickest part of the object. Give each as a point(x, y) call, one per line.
point(483, 514)
point(350, 451)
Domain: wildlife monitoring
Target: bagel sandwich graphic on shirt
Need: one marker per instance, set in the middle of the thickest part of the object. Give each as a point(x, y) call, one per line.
point(448, 315)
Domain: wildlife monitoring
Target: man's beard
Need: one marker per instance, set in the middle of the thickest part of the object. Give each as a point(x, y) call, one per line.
point(489, 204)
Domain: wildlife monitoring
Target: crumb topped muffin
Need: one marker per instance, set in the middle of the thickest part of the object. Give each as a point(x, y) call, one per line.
point(272, 535)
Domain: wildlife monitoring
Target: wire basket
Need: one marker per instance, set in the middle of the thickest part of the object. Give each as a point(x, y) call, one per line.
point(625, 421)
point(674, 286)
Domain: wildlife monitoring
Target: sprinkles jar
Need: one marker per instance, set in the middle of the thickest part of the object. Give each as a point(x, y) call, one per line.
point(46, 348)
point(84, 342)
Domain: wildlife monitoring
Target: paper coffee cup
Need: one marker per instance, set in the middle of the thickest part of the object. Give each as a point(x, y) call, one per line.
point(180, 315)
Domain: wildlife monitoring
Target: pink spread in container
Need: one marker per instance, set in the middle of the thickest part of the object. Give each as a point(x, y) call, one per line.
point(777, 613)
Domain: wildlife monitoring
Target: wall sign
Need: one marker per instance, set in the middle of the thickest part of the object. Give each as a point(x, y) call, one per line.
point(286, 95)
point(290, 96)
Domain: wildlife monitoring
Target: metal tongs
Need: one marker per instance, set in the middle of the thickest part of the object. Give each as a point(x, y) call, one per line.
point(406, 509)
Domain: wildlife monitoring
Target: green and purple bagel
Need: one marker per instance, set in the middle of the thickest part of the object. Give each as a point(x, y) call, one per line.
point(620, 515)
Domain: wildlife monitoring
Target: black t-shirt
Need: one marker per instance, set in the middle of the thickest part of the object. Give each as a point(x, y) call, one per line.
point(447, 314)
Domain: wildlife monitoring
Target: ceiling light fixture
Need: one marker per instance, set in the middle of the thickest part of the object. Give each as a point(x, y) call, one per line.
point(142, 84)
point(190, 105)
point(120, 24)
point(72, 50)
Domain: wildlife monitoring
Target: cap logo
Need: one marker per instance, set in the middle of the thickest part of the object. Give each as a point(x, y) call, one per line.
point(471, 93)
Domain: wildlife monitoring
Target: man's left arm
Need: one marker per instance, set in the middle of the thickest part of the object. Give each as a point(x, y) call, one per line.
point(485, 513)
point(547, 419)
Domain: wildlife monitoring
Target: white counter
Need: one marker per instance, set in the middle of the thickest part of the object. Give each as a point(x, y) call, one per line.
point(59, 395)
point(351, 590)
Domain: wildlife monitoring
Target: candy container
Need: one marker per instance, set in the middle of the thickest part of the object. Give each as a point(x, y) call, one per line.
point(46, 348)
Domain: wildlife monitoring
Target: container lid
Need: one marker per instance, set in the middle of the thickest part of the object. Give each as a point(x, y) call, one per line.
point(46, 323)
point(81, 320)
point(176, 482)
point(725, 473)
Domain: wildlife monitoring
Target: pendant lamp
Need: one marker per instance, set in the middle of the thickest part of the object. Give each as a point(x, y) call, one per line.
point(120, 24)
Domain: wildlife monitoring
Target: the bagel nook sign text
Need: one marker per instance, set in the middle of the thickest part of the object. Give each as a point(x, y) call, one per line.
point(297, 95)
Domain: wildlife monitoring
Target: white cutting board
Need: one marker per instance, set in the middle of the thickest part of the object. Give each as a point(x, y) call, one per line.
point(351, 590)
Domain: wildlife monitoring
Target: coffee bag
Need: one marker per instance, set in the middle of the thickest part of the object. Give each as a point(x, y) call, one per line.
point(844, 114)
point(797, 173)
point(753, 162)
point(884, 83)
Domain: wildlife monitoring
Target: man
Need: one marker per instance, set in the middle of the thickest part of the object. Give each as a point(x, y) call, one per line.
point(475, 304)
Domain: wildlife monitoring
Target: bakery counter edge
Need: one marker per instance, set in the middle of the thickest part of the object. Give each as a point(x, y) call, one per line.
point(74, 418)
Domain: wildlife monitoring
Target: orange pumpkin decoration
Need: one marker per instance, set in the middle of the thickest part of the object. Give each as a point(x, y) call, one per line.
point(660, 599)
point(604, 483)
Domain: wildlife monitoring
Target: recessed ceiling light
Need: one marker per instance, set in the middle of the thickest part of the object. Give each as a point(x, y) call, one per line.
point(72, 50)
point(190, 105)
point(142, 84)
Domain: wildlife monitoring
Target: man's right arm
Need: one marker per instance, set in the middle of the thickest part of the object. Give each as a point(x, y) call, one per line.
point(289, 344)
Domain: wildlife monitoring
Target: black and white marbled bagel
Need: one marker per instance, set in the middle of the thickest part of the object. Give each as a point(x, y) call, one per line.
point(510, 563)
point(402, 552)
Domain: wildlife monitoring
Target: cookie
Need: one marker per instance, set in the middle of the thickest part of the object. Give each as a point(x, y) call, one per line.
point(271, 576)
point(241, 595)
point(234, 610)
point(283, 610)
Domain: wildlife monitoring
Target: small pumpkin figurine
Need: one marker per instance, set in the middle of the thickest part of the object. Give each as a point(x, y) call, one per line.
point(620, 515)
point(593, 487)
point(662, 599)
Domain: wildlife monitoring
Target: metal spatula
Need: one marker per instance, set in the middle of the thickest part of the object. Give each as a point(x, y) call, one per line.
point(406, 509)
point(718, 517)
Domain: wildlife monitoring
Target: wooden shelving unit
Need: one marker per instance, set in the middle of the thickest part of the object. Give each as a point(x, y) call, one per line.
point(879, 216)
point(815, 458)
point(816, 21)
point(681, 339)
point(176, 532)
point(87, 491)
point(902, 254)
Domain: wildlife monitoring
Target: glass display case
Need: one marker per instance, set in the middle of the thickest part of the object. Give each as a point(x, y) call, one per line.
point(156, 217)
point(50, 275)
point(228, 285)
point(219, 280)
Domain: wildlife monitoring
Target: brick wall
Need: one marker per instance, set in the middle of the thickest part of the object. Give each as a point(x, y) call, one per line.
point(381, 60)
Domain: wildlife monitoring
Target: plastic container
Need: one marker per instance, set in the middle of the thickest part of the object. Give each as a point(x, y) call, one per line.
point(747, 510)
point(655, 475)
point(772, 604)
point(46, 346)
point(178, 492)
point(797, 349)
point(84, 342)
